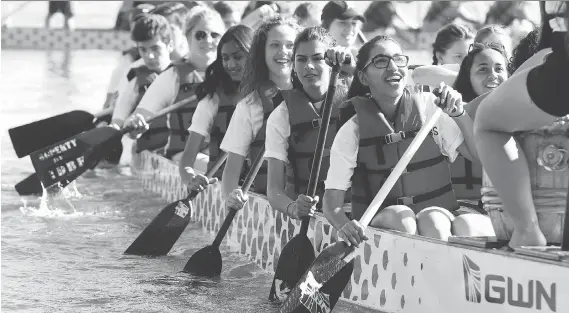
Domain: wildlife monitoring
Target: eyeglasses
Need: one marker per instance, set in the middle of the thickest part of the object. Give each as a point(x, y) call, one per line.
point(381, 61)
point(201, 35)
point(487, 45)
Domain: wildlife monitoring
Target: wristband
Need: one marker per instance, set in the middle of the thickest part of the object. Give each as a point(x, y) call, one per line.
point(461, 114)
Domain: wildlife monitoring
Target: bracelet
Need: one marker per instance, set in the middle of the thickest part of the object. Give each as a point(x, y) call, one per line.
point(287, 207)
point(461, 114)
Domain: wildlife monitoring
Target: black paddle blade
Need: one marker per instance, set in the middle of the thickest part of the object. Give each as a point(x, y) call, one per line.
point(37, 135)
point(162, 233)
point(296, 257)
point(321, 286)
point(66, 160)
point(205, 262)
point(31, 185)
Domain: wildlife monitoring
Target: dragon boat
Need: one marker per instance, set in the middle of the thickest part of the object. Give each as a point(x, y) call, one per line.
point(393, 271)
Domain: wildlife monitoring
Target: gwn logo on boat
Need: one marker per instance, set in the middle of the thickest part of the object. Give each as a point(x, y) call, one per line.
point(506, 290)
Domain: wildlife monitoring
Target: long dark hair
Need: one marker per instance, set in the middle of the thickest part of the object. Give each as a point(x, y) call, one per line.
point(524, 50)
point(215, 74)
point(463, 84)
point(256, 71)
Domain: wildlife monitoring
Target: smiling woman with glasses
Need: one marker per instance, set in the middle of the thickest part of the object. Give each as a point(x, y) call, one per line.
point(204, 27)
point(388, 114)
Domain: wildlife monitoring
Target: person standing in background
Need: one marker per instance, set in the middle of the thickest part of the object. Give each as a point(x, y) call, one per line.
point(65, 8)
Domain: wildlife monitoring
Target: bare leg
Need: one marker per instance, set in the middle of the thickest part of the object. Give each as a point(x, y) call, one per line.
point(505, 110)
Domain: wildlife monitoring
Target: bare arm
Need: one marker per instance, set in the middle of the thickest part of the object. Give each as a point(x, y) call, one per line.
point(333, 207)
point(433, 75)
point(231, 173)
point(276, 185)
point(468, 147)
point(189, 157)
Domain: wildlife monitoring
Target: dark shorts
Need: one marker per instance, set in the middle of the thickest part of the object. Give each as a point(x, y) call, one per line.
point(60, 6)
point(548, 83)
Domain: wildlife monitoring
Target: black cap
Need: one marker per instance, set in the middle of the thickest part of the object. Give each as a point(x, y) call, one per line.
point(339, 10)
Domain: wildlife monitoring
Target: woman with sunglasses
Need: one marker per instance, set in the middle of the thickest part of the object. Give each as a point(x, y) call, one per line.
point(216, 104)
point(293, 127)
point(530, 99)
point(368, 146)
point(267, 71)
point(203, 31)
point(492, 35)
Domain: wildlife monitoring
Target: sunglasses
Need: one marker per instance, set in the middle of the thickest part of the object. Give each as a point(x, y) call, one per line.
point(381, 61)
point(487, 45)
point(201, 35)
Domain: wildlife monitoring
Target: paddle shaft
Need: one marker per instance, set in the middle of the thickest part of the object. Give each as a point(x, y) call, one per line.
point(169, 109)
point(245, 188)
point(396, 173)
point(321, 141)
point(565, 239)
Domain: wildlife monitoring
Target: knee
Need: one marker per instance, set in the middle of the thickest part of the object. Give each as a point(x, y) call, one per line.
point(435, 222)
point(473, 225)
point(396, 217)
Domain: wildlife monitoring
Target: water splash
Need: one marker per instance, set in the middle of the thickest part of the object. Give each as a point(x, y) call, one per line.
point(55, 202)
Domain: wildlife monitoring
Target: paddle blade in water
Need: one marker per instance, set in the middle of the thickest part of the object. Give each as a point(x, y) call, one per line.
point(205, 262)
point(320, 287)
point(162, 233)
point(31, 185)
point(66, 160)
point(37, 135)
point(296, 257)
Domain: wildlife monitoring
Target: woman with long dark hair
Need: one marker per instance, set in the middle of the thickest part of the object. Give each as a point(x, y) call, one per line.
point(216, 95)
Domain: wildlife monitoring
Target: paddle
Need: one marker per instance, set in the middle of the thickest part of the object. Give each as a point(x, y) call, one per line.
point(63, 162)
point(162, 233)
point(298, 253)
point(39, 134)
point(321, 286)
point(207, 261)
point(31, 185)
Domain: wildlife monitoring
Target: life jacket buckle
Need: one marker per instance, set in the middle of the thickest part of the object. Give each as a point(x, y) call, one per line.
point(315, 123)
point(405, 201)
point(394, 137)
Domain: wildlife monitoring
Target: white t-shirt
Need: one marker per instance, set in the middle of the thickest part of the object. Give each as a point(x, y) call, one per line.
point(245, 123)
point(126, 101)
point(344, 151)
point(278, 132)
point(162, 92)
point(203, 117)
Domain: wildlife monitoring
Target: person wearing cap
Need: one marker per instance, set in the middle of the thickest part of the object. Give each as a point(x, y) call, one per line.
point(343, 22)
